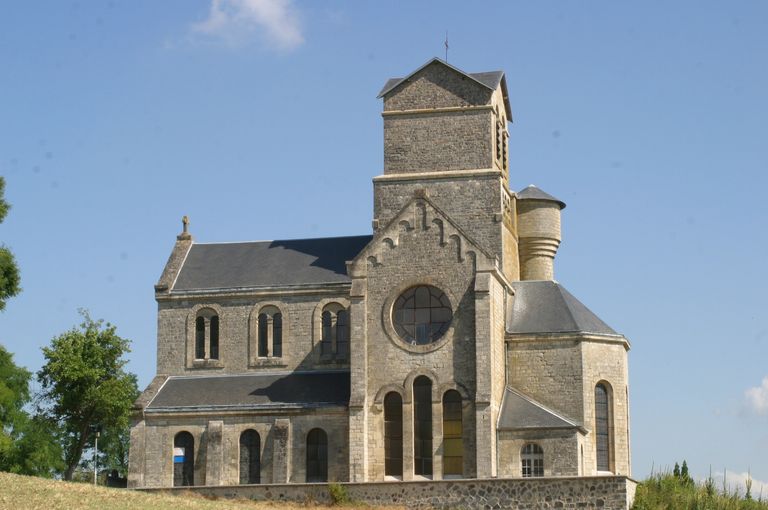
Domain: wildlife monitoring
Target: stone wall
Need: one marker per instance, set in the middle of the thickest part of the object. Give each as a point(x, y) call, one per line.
point(608, 493)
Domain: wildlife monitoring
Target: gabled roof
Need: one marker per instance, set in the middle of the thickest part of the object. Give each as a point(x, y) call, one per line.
point(534, 193)
point(521, 412)
point(268, 263)
point(489, 80)
point(253, 391)
point(543, 306)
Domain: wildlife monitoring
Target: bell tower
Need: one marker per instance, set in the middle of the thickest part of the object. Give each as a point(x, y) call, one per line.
point(446, 137)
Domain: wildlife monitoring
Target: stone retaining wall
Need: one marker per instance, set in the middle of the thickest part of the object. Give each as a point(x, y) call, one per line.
point(604, 492)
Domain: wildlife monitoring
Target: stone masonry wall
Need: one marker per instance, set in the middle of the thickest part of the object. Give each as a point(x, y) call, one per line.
point(237, 333)
point(607, 493)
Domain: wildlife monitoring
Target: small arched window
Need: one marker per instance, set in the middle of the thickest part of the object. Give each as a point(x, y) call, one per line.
point(270, 333)
point(183, 459)
point(453, 434)
point(206, 335)
point(393, 434)
point(422, 422)
point(603, 427)
point(317, 456)
point(532, 459)
point(250, 457)
point(335, 331)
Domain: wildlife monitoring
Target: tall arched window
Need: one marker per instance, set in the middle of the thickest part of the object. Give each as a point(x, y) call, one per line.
point(603, 427)
point(453, 432)
point(206, 335)
point(270, 333)
point(393, 434)
point(317, 456)
point(183, 459)
point(422, 426)
point(335, 331)
point(532, 459)
point(250, 457)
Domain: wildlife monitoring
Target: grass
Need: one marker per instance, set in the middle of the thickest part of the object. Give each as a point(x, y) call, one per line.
point(670, 491)
point(30, 493)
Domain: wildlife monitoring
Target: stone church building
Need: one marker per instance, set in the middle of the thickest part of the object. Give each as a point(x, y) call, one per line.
point(437, 346)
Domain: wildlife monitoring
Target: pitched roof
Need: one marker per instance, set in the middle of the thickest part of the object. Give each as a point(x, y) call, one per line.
point(489, 79)
point(534, 193)
point(253, 391)
point(268, 263)
point(542, 306)
point(519, 412)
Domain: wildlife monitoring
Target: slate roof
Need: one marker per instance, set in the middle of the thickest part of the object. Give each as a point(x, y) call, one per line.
point(534, 193)
point(253, 391)
point(542, 306)
point(520, 412)
point(489, 79)
point(268, 263)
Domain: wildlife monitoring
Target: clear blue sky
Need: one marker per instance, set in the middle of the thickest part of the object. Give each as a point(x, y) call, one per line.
point(647, 118)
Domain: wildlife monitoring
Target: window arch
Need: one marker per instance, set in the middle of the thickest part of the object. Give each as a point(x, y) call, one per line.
point(453, 434)
point(206, 335)
point(250, 457)
point(270, 332)
point(317, 456)
point(393, 434)
point(603, 426)
point(532, 460)
point(422, 426)
point(183, 459)
point(334, 339)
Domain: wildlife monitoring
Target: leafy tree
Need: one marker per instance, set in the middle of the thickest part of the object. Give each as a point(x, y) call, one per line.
point(84, 384)
point(10, 279)
point(27, 446)
point(14, 394)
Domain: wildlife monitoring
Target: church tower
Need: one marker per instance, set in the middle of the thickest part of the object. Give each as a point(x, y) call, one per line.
point(446, 138)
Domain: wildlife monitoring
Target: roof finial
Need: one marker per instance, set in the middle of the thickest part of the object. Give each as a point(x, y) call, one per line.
point(446, 46)
point(184, 229)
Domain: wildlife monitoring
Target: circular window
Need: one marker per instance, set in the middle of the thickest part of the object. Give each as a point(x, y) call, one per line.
point(421, 315)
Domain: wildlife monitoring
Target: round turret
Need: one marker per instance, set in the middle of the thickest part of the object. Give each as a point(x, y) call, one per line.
point(538, 228)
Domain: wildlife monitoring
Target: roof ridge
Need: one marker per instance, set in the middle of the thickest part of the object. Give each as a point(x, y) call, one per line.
point(281, 240)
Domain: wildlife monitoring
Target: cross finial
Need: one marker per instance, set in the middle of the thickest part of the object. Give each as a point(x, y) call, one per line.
point(185, 235)
point(446, 46)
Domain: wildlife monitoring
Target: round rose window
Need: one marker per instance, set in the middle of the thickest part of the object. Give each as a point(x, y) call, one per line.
point(421, 315)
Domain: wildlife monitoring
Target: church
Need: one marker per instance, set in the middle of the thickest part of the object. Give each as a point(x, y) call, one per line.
point(439, 345)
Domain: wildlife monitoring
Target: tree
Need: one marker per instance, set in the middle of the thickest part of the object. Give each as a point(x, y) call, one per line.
point(14, 394)
point(10, 280)
point(27, 445)
point(84, 385)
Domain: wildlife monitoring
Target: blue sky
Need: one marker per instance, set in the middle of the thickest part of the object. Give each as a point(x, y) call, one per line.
point(259, 120)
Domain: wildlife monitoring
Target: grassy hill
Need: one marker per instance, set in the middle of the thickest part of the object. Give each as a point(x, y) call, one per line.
point(30, 493)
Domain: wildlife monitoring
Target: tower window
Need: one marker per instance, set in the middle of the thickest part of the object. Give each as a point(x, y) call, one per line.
point(603, 427)
point(453, 434)
point(532, 458)
point(422, 314)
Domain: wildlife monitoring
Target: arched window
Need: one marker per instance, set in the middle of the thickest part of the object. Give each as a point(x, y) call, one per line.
point(532, 458)
point(206, 335)
point(317, 456)
point(250, 457)
point(183, 459)
point(453, 432)
point(393, 434)
point(270, 333)
point(422, 426)
point(335, 331)
point(603, 427)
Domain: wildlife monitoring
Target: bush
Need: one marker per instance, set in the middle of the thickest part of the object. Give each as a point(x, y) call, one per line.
point(338, 493)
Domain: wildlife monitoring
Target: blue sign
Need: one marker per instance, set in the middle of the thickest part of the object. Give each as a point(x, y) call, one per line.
point(178, 455)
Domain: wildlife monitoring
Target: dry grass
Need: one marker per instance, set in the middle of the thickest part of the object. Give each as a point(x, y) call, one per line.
point(30, 493)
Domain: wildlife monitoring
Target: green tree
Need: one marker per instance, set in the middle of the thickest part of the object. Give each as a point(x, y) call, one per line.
point(27, 445)
point(10, 280)
point(84, 384)
point(14, 394)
